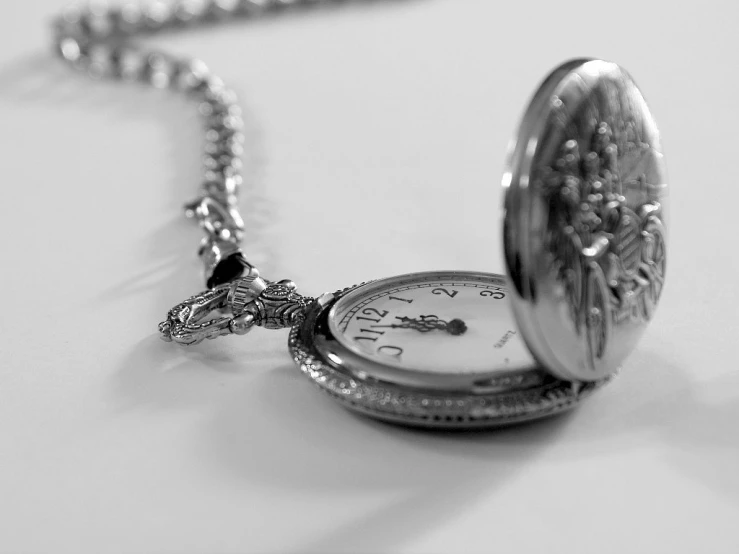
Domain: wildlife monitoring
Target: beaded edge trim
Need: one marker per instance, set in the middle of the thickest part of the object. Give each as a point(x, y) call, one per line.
point(423, 408)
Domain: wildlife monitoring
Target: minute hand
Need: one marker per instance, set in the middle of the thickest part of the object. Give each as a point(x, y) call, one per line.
point(426, 323)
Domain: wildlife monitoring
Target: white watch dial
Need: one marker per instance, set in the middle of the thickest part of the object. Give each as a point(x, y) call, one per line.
point(443, 322)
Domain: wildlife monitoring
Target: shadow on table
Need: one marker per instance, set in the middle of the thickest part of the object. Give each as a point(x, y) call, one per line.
point(273, 428)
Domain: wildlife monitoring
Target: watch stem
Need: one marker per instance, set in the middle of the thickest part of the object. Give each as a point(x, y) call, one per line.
point(242, 324)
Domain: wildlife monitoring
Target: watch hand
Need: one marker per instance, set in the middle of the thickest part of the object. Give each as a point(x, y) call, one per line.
point(426, 323)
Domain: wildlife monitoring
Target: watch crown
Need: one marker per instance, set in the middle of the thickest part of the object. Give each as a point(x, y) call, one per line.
point(245, 290)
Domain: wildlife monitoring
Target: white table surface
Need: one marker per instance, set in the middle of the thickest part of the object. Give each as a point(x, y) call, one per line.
point(376, 135)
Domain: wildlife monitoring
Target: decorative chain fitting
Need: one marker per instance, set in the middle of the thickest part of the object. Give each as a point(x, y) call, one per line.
point(234, 308)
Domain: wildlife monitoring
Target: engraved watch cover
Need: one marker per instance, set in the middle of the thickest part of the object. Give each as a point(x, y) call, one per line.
point(585, 220)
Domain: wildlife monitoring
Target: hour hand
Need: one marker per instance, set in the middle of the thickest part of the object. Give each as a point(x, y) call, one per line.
point(426, 323)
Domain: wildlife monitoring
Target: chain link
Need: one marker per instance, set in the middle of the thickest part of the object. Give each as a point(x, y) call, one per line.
point(96, 39)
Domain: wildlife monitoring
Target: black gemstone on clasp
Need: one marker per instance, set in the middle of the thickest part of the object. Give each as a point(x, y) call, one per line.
point(230, 268)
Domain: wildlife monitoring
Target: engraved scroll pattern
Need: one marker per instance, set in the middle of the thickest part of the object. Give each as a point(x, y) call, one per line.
point(610, 258)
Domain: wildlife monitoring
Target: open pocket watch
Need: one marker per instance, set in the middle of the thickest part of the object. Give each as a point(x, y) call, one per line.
point(584, 242)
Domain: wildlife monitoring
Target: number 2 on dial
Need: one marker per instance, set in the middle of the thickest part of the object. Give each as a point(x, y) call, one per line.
point(450, 293)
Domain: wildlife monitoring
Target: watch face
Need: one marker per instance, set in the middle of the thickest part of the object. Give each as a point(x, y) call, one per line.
point(440, 323)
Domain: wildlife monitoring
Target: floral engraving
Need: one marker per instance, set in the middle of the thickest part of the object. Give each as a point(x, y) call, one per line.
point(609, 257)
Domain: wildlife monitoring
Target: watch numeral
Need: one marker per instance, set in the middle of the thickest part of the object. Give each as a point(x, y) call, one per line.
point(450, 294)
point(375, 311)
point(390, 350)
point(365, 338)
point(400, 299)
point(369, 319)
point(497, 294)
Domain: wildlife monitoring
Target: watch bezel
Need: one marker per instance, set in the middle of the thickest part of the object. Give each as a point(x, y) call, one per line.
point(423, 399)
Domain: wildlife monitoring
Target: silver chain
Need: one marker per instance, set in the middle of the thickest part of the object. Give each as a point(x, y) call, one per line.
point(96, 40)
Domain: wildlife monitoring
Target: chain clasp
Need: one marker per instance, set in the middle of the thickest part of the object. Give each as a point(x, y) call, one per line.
point(237, 306)
point(219, 251)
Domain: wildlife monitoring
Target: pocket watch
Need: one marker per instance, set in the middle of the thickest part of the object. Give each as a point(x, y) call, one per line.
point(584, 234)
